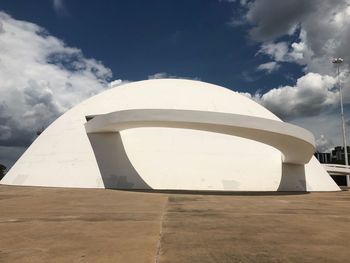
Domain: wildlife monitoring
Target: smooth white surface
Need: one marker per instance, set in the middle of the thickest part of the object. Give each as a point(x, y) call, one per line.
point(161, 158)
point(296, 144)
point(337, 169)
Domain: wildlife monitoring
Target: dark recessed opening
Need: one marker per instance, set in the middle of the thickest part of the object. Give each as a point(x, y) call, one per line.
point(89, 117)
point(339, 179)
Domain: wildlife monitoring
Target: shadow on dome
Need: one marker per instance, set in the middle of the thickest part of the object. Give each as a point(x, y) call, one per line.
point(115, 167)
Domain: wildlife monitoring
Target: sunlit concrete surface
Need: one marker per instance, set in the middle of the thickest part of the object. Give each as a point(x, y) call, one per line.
point(296, 144)
point(77, 225)
point(93, 225)
point(337, 169)
point(249, 149)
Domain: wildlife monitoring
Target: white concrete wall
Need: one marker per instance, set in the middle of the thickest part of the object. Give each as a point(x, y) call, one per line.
point(160, 158)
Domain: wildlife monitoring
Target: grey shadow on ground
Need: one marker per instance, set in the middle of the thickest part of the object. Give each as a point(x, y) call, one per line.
point(213, 192)
point(115, 167)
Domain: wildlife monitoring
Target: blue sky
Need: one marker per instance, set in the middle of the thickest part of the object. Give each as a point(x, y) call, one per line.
point(55, 53)
point(136, 39)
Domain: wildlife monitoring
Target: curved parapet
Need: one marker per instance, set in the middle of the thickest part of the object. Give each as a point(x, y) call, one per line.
point(296, 144)
point(337, 169)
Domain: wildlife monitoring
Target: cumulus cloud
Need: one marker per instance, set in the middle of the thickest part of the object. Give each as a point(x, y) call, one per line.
point(311, 94)
point(165, 75)
point(327, 124)
point(324, 144)
point(273, 18)
point(117, 82)
point(277, 51)
point(41, 78)
point(269, 67)
point(308, 34)
point(160, 75)
point(315, 41)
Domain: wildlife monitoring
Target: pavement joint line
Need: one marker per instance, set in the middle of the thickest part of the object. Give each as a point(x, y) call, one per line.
point(161, 231)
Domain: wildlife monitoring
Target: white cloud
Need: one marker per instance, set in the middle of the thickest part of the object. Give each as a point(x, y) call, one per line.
point(277, 51)
point(285, 52)
point(41, 78)
point(324, 144)
point(309, 34)
point(312, 94)
point(315, 41)
point(326, 128)
point(269, 67)
point(117, 82)
point(273, 18)
point(311, 103)
point(159, 75)
point(165, 75)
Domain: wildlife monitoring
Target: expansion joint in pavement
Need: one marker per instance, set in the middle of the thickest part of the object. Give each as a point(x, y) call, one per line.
point(159, 244)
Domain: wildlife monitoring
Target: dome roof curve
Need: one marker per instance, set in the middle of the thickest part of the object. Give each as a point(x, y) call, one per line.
point(161, 157)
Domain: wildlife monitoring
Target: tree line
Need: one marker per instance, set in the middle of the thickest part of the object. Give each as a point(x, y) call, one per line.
point(2, 171)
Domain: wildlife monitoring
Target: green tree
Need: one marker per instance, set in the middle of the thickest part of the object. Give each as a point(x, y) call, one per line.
point(2, 171)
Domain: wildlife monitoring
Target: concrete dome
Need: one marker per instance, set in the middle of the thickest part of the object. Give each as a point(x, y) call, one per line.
point(163, 157)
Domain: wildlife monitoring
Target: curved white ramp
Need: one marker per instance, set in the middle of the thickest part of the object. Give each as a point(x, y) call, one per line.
point(337, 169)
point(296, 144)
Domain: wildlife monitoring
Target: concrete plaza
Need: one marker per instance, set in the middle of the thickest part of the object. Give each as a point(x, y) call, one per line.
point(91, 225)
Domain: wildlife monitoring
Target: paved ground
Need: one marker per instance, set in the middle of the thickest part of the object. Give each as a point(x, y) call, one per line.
point(84, 225)
point(78, 225)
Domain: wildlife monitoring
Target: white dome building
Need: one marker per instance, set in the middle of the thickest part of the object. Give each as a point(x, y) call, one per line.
point(172, 134)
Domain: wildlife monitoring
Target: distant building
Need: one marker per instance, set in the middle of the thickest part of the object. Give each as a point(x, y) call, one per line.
point(336, 156)
point(323, 157)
